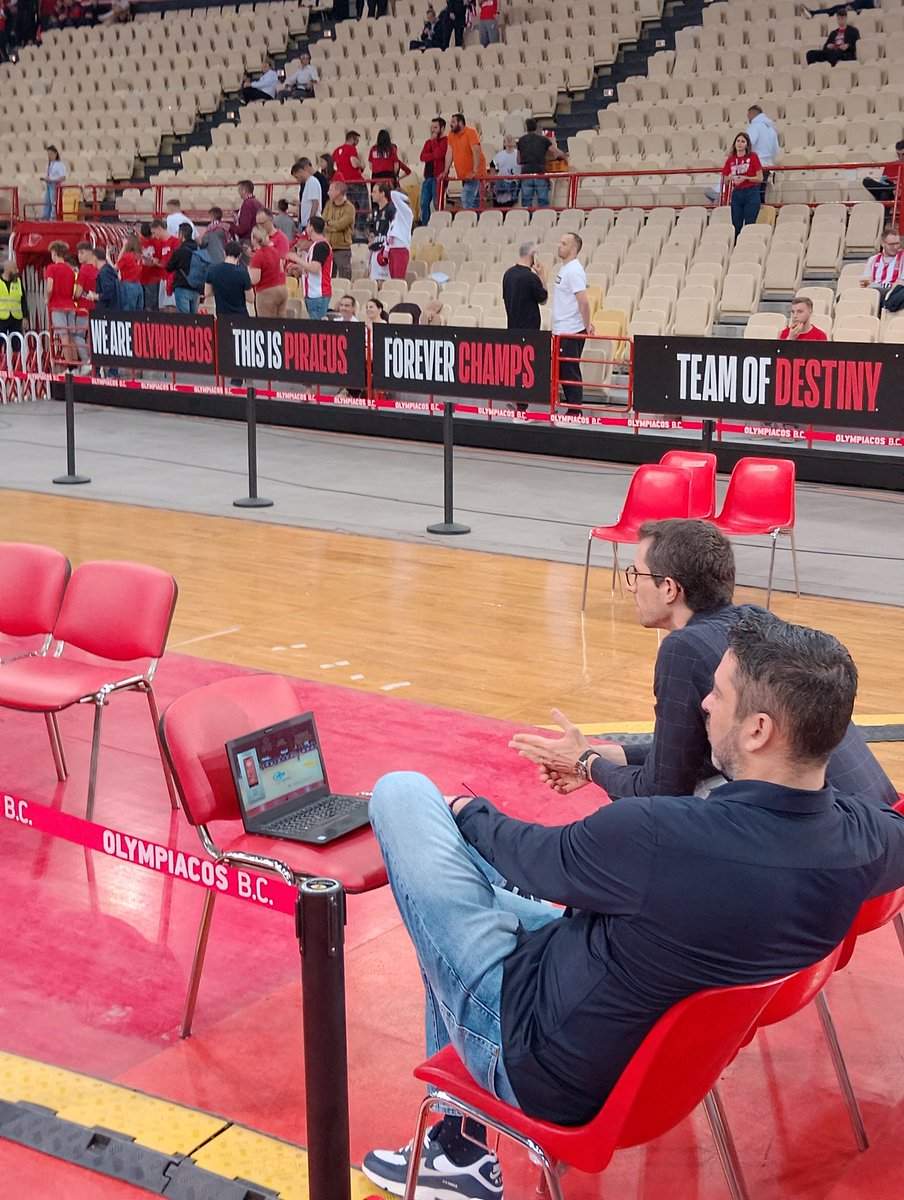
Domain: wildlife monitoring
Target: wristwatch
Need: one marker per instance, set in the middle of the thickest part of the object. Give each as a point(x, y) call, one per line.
point(582, 766)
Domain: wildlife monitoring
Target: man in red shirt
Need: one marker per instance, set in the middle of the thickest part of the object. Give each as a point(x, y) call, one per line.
point(248, 210)
point(349, 170)
point(86, 290)
point(61, 293)
point(487, 23)
point(154, 253)
point(801, 327)
point(433, 156)
point(884, 189)
point(278, 239)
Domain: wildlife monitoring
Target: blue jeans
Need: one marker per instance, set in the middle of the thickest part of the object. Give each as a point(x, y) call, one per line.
point(186, 300)
point(470, 193)
point(462, 922)
point(745, 207)
point(428, 199)
point(535, 193)
point(152, 296)
point(317, 306)
point(132, 296)
point(50, 195)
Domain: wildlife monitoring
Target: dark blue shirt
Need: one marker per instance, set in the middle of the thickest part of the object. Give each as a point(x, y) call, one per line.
point(678, 757)
point(668, 896)
point(109, 296)
point(230, 282)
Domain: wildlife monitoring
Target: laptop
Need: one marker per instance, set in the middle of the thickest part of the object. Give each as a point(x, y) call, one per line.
point(282, 788)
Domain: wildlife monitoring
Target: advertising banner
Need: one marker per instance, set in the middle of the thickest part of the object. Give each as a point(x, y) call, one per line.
point(489, 364)
point(333, 353)
point(805, 383)
point(153, 341)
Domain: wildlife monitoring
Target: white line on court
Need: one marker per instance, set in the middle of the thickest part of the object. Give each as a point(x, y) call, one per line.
point(390, 687)
point(204, 637)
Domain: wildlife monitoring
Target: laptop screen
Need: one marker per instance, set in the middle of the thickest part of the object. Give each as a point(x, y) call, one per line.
point(277, 765)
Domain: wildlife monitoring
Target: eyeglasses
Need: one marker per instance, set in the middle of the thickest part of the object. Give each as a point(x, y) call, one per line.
point(632, 575)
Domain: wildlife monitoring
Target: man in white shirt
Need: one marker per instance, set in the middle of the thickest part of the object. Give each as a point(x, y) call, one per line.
point(570, 316)
point(301, 84)
point(310, 197)
point(398, 237)
point(505, 164)
point(763, 142)
point(884, 270)
point(263, 88)
point(347, 309)
point(176, 217)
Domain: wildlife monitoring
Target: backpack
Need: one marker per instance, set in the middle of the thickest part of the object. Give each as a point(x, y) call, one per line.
point(196, 276)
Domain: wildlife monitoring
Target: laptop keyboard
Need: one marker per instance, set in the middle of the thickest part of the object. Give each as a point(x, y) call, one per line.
point(317, 814)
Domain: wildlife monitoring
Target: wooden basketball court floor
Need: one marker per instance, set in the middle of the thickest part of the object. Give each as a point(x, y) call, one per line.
point(497, 637)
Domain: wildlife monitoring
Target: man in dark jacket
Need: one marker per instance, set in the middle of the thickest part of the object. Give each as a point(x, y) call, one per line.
point(178, 265)
point(840, 45)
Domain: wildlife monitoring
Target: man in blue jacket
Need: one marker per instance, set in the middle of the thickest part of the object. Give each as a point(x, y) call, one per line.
point(664, 897)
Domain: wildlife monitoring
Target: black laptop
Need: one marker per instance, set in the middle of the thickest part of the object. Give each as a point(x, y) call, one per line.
point(280, 779)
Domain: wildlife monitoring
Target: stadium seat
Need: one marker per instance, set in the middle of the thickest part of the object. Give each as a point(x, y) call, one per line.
point(760, 500)
point(856, 329)
point(739, 298)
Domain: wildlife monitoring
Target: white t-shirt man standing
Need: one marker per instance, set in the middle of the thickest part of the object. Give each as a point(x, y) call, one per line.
point(570, 316)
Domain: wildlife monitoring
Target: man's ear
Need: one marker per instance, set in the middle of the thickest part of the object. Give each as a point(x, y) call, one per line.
point(671, 588)
point(758, 731)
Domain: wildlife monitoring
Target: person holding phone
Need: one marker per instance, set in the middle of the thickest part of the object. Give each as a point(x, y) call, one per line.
point(524, 289)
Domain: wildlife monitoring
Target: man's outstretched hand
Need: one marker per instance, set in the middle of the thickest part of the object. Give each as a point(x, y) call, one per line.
point(555, 753)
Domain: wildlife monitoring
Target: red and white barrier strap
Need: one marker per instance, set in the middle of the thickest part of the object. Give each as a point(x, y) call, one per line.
point(165, 860)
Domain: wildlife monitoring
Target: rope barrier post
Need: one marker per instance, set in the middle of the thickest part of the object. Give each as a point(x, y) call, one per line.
point(320, 929)
point(448, 523)
point(69, 397)
point(252, 500)
point(708, 429)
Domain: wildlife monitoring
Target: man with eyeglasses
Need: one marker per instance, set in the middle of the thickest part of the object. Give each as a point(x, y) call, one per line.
point(682, 581)
point(883, 272)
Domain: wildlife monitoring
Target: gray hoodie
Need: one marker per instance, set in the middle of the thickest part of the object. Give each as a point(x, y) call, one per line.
point(763, 139)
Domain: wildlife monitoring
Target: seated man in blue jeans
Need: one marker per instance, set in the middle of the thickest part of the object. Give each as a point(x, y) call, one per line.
point(664, 897)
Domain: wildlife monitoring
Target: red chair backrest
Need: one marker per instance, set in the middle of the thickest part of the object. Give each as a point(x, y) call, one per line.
point(195, 728)
point(655, 494)
point(32, 582)
point(797, 992)
point(702, 469)
point(117, 610)
point(761, 492)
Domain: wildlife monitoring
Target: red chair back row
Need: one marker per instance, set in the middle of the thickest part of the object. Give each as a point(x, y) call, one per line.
point(32, 582)
point(701, 467)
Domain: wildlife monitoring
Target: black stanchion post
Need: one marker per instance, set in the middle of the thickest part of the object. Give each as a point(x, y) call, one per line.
point(252, 500)
point(709, 428)
point(320, 928)
point(69, 396)
point(448, 523)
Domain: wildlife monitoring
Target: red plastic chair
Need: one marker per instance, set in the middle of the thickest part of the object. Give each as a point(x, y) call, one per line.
point(760, 501)
point(193, 731)
point(32, 582)
point(702, 468)
point(655, 493)
point(672, 1071)
point(118, 612)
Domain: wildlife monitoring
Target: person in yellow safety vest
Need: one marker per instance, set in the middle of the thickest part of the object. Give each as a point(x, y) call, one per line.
point(13, 305)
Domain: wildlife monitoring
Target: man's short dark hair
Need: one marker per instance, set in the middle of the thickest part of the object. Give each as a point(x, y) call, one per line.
point(303, 164)
point(754, 108)
point(578, 240)
point(460, 117)
point(268, 212)
point(317, 224)
point(185, 231)
point(247, 186)
point(348, 297)
point(350, 133)
point(174, 203)
point(697, 556)
point(440, 121)
point(899, 145)
point(158, 223)
point(282, 205)
point(84, 246)
point(803, 300)
point(803, 678)
point(216, 213)
point(530, 125)
point(233, 249)
point(384, 189)
point(100, 254)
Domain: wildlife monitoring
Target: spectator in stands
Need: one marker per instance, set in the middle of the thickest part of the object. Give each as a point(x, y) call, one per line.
point(398, 238)
point(310, 197)
point(179, 264)
point(504, 164)
point(86, 290)
point(326, 169)
point(571, 315)
point(534, 152)
point(466, 155)
point(120, 12)
point(262, 88)
point(249, 206)
point(276, 238)
point(267, 276)
point(300, 85)
point(381, 220)
point(524, 289)
point(229, 283)
point(885, 187)
point(375, 312)
point(215, 236)
point(840, 45)
point(457, 18)
point(13, 303)
point(283, 220)
point(4, 32)
point(854, 6)
point(53, 176)
point(763, 141)
point(433, 156)
point(339, 219)
point(385, 164)
point(883, 272)
point(347, 309)
point(443, 29)
point(425, 41)
point(106, 294)
point(377, 8)
point(128, 268)
point(488, 22)
point(744, 174)
point(432, 313)
point(349, 168)
point(60, 294)
point(154, 256)
point(800, 327)
point(176, 218)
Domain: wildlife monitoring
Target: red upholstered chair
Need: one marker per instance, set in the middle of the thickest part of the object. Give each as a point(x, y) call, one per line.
point(760, 501)
point(702, 468)
point(655, 493)
point(672, 1071)
point(32, 582)
point(112, 613)
point(194, 730)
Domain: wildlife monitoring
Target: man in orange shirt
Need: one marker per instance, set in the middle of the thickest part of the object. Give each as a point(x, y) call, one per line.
point(466, 155)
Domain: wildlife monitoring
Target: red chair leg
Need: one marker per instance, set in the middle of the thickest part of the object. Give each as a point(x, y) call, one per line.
point(95, 751)
point(194, 980)
point(167, 774)
point(56, 745)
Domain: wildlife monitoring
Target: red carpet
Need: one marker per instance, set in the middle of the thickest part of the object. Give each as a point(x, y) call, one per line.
point(96, 955)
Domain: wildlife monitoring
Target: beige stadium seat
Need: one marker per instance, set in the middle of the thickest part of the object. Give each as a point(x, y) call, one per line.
point(824, 322)
point(765, 325)
point(849, 277)
point(856, 329)
point(824, 252)
point(693, 317)
point(864, 228)
point(740, 294)
point(782, 275)
point(647, 323)
point(857, 302)
point(823, 298)
point(892, 329)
